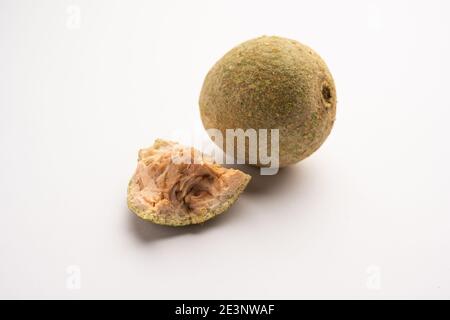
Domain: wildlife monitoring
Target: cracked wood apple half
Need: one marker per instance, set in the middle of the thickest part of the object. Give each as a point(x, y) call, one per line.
point(176, 185)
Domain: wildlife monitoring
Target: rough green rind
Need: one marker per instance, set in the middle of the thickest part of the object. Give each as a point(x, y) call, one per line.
point(272, 83)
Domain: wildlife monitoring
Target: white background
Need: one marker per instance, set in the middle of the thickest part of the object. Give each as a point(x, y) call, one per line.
point(367, 216)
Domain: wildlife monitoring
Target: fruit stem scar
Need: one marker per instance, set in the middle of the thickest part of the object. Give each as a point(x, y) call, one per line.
point(326, 93)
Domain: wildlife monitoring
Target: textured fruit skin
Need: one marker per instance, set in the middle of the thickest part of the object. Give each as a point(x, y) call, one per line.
point(272, 83)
